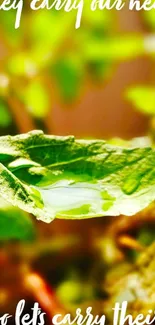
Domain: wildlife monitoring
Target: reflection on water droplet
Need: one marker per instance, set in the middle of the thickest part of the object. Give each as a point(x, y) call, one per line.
point(67, 197)
point(131, 185)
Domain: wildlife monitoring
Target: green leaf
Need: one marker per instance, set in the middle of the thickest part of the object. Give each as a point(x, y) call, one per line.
point(68, 73)
point(149, 17)
point(36, 99)
point(14, 223)
point(5, 118)
point(115, 49)
point(54, 176)
point(143, 98)
point(21, 64)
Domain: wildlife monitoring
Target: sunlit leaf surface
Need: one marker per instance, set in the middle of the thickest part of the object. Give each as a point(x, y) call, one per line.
point(52, 176)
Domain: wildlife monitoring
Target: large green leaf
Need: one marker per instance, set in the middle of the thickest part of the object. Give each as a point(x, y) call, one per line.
point(53, 176)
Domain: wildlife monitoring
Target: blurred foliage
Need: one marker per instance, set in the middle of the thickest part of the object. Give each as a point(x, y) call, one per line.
point(143, 98)
point(36, 99)
point(115, 49)
point(149, 17)
point(15, 224)
point(5, 118)
point(47, 52)
point(68, 73)
point(75, 292)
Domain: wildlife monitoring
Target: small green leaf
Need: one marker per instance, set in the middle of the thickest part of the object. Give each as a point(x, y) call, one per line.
point(143, 98)
point(36, 99)
point(149, 17)
point(68, 73)
point(21, 64)
point(122, 48)
point(53, 176)
point(5, 118)
point(15, 224)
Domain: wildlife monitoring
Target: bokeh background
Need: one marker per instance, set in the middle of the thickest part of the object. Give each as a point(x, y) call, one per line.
point(94, 82)
point(70, 81)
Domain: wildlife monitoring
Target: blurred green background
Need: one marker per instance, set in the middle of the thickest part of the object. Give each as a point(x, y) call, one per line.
point(73, 81)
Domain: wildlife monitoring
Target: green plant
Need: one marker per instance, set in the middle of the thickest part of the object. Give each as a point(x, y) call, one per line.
point(52, 176)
